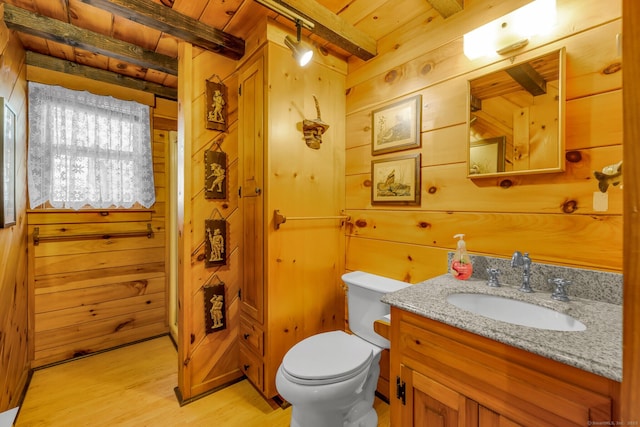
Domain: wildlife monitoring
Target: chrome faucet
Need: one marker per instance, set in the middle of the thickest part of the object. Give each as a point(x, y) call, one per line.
point(493, 277)
point(519, 260)
point(560, 288)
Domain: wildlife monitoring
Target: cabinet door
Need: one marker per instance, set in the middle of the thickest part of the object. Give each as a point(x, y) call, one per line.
point(488, 418)
point(251, 133)
point(429, 403)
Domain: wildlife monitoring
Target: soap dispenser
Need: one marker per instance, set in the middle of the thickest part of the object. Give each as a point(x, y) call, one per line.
point(461, 267)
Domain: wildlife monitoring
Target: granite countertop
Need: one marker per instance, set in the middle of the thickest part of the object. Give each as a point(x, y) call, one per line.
point(598, 349)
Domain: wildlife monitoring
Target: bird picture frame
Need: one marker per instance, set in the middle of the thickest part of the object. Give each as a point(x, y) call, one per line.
point(397, 126)
point(396, 180)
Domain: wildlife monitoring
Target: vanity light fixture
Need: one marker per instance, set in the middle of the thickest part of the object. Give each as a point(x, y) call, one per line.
point(301, 54)
point(511, 32)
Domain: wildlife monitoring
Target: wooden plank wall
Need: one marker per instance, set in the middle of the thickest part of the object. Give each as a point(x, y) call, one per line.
point(95, 293)
point(14, 362)
point(550, 216)
point(91, 294)
point(304, 291)
point(630, 398)
point(206, 360)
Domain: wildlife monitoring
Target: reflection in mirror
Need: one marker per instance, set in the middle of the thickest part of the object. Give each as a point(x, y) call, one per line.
point(516, 118)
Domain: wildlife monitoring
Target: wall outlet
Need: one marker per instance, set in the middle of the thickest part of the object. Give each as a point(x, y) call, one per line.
point(600, 201)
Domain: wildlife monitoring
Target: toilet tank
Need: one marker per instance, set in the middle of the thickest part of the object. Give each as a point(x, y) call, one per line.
point(363, 297)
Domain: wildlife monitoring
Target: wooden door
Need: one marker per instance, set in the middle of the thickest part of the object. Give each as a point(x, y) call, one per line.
point(251, 125)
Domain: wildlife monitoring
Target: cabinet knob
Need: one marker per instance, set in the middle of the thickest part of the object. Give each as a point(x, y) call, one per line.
point(245, 367)
point(246, 336)
point(258, 190)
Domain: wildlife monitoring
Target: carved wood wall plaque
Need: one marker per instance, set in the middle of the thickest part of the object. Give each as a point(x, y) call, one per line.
point(215, 175)
point(214, 308)
point(215, 242)
point(216, 106)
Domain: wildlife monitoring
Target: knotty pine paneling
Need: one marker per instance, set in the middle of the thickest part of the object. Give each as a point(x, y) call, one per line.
point(68, 350)
point(14, 316)
point(146, 284)
point(445, 187)
point(78, 313)
point(399, 47)
point(49, 340)
point(630, 395)
point(551, 216)
point(109, 291)
point(93, 294)
point(81, 279)
point(206, 360)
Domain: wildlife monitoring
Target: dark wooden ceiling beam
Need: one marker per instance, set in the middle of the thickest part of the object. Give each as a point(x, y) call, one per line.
point(167, 20)
point(331, 27)
point(527, 77)
point(72, 68)
point(21, 20)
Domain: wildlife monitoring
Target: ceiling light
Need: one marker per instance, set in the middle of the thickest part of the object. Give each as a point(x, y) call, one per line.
point(301, 54)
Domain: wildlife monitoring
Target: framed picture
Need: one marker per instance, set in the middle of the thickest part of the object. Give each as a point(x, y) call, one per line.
point(396, 180)
point(8, 162)
point(397, 126)
point(487, 156)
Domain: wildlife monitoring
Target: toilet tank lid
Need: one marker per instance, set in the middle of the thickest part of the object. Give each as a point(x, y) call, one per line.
point(373, 281)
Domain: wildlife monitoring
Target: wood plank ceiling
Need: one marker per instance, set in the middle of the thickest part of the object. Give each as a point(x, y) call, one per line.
point(134, 43)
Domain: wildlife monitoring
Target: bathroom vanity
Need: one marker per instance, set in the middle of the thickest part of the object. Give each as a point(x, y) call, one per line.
point(450, 367)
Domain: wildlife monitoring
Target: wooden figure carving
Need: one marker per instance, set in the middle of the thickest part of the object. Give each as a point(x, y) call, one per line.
point(215, 308)
point(215, 242)
point(216, 99)
point(313, 129)
point(215, 184)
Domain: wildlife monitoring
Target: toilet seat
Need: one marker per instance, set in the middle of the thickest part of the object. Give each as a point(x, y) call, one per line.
point(327, 358)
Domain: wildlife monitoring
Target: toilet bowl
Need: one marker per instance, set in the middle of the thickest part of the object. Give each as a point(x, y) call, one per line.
point(325, 376)
point(330, 378)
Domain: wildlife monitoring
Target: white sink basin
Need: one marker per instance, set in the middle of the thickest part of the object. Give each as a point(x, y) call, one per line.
point(515, 312)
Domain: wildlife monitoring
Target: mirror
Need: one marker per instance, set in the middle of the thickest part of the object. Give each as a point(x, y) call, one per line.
point(516, 118)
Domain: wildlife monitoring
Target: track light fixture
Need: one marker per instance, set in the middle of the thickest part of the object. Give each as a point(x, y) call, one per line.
point(301, 54)
point(287, 12)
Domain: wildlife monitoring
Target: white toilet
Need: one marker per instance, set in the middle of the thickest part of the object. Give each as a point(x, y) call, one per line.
point(330, 378)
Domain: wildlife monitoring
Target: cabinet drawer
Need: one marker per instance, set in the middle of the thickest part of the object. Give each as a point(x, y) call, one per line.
point(252, 367)
point(251, 336)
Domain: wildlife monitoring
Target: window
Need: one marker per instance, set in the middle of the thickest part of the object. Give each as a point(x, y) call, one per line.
point(88, 150)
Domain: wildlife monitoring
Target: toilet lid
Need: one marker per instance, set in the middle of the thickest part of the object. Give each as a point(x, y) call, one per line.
point(327, 358)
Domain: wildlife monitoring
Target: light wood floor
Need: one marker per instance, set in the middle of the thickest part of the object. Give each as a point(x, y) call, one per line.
point(134, 386)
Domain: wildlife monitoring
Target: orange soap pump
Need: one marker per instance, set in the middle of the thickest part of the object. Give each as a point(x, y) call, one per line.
point(461, 267)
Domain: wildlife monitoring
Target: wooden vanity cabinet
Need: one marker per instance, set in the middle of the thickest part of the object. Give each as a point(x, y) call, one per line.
point(445, 376)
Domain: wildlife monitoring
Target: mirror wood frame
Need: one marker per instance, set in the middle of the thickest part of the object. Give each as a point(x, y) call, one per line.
point(524, 85)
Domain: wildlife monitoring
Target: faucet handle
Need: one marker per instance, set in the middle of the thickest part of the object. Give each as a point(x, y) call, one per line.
point(493, 277)
point(560, 291)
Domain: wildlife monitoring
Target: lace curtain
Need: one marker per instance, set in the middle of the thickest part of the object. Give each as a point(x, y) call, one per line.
point(87, 149)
